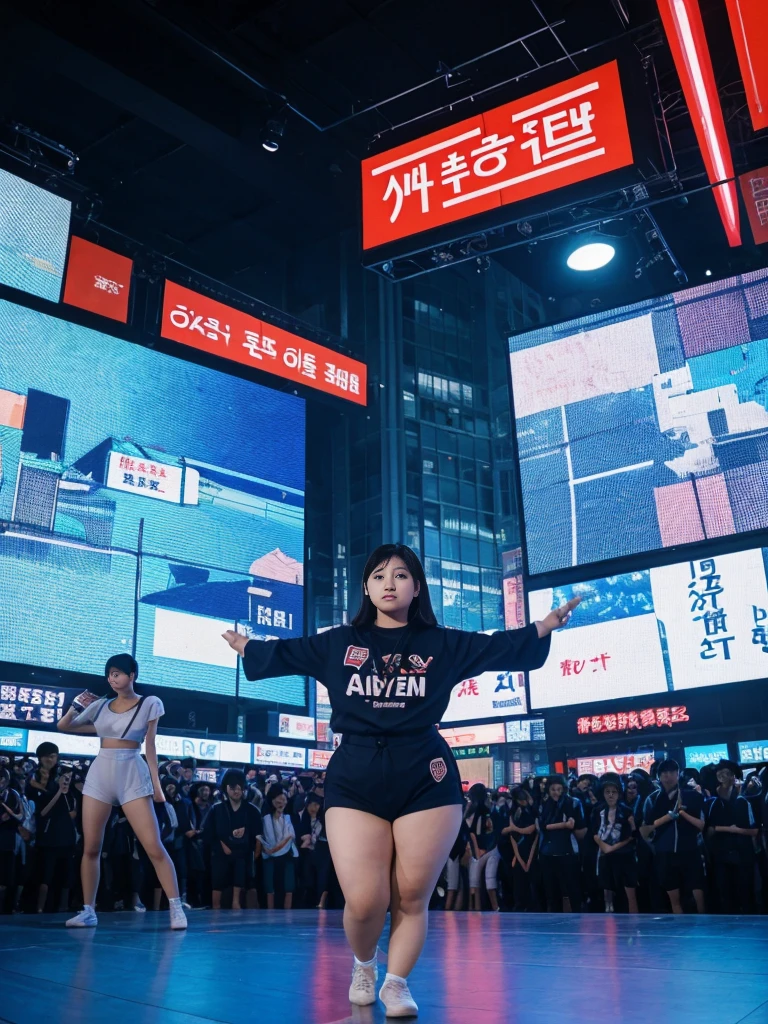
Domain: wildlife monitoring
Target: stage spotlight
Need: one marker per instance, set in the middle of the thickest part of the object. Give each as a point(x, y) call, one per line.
point(272, 135)
point(708, 273)
point(591, 256)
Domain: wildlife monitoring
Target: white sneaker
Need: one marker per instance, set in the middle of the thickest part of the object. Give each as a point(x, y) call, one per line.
point(397, 999)
point(177, 915)
point(85, 919)
point(362, 991)
point(139, 907)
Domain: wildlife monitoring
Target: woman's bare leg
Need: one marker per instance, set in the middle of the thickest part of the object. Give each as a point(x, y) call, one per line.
point(423, 841)
point(361, 847)
point(95, 817)
point(141, 818)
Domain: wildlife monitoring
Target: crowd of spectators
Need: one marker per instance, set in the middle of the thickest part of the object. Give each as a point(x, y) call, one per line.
point(659, 841)
point(668, 840)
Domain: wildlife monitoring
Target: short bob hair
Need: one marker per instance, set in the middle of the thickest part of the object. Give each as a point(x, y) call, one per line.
point(125, 663)
point(420, 613)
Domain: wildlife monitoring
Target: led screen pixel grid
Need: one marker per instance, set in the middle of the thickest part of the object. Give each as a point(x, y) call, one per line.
point(644, 427)
point(34, 230)
point(661, 630)
point(145, 493)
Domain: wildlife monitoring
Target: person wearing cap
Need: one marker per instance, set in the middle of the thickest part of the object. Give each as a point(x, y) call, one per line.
point(613, 827)
point(673, 820)
point(731, 831)
point(561, 827)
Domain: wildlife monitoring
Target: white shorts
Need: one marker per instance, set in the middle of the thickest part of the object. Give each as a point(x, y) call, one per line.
point(118, 776)
point(453, 874)
point(488, 863)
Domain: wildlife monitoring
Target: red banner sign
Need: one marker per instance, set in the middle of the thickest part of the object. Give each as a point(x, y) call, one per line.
point(754, 189)
point(208, 325)
point(623, 721)
point(98, 279)
point(553, 138)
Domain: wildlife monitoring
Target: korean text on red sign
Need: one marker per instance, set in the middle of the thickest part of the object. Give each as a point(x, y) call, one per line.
point(562, 135)
point(203, 323)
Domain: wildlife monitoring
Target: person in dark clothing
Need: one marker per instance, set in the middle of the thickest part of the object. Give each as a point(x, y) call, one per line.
point(392, 788)
point(524, 842)
point(673, 820)
point(198, 854)
point(315, 854)
point(731, 830)
point(232, 829)
point(613, 828)
point(178, 847)
point(561, 826)
point(56, 812)
point(11, 817)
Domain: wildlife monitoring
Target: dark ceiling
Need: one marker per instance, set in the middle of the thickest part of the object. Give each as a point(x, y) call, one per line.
point(163, 102)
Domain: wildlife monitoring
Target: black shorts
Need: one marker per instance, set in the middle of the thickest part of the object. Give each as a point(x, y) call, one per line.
point(390, 776)
point(234, 868)
point(681, 870)
point(617, 871)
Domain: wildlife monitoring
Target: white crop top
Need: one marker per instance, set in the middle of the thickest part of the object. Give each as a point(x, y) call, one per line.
point(112, 725)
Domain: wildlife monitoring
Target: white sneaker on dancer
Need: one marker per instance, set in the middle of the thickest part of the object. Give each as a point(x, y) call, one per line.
point(85, 919)
point(397, 997)
point(139, 907)
point(362, 991)
point(178, 917)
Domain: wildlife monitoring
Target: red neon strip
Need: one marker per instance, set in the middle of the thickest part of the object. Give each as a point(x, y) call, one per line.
point(688, 43)
point(749, 24)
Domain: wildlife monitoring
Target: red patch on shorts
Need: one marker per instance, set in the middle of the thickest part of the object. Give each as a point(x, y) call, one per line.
point(438, 769)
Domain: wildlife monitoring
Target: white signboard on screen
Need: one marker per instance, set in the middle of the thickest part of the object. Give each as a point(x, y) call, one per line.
point(474, 735)
point(697, 623)
point(69, 745)
point(297, 727)
point(284, 757)
point(188, 746)
point(148, 479)
point(234, 751)
point(518, 732)
point(489, 695)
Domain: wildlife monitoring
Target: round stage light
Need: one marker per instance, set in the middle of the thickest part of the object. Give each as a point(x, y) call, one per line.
point(591, 256)
point(272, 135)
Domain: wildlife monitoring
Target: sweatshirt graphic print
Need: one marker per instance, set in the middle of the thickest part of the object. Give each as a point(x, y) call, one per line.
point(393, 680)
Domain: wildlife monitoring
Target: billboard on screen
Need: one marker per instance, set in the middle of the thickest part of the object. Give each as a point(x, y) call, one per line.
point(489, 695)
point(644, 427)
point(149, 503)
point(672, 628)
point(34, 228)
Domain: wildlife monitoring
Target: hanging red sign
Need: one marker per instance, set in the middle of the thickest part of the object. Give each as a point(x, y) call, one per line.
point(553, 138)
point(754, 190)
point(203, 323)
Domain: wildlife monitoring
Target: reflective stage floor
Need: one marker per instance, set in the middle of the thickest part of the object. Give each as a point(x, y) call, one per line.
point(294, 968)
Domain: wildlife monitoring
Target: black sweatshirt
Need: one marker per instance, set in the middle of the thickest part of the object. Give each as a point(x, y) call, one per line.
point(350, 662)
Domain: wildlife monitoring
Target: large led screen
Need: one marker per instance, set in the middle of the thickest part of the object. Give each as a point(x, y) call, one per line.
point(645, 427)
point(148, 504)
point(658, 630)
point(34, 228)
